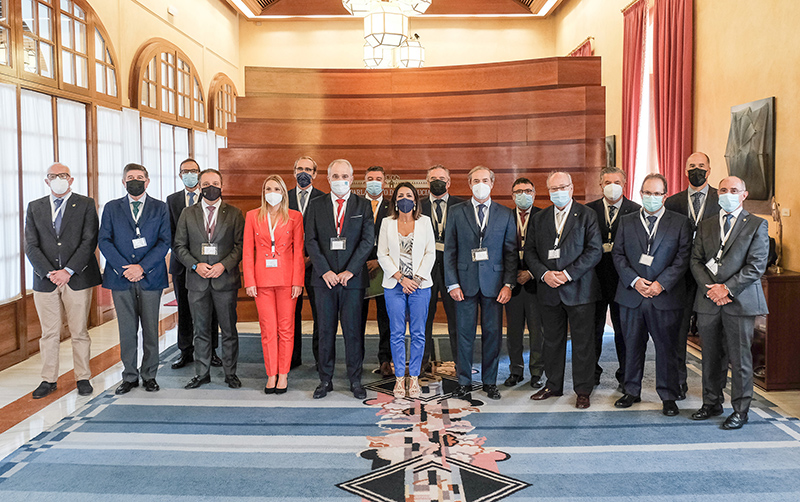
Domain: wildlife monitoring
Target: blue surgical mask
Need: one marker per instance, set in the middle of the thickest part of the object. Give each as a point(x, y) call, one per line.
point(374, 188)
point(303, 179)
point(523, 201)
point(190, 179)
point(729, 202)
point(340, 187)
point(560, 197)
point(405, 205)
point(652, 203)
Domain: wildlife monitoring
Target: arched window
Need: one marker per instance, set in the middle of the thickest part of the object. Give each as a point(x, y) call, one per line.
point(164, 84)
point(222, 103)
point(5, 35)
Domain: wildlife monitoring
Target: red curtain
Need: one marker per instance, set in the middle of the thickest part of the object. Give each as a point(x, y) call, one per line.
point(672, 87)
point(583, 50)
point(632, 73)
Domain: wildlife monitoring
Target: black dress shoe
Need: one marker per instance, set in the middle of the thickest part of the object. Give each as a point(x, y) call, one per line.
point(545, 394)
point(735, 421)
point(150, 385)
point(197, 381)
point(215, 360)
point(322, 389)
point(491, 391)
point(126, 387)
point(682, 392)
point(269, 390)
point(670, 409)
point(186, 358)
point(233, 381)
point(582, 401)
point(513, 380)
point(386, 369)
point(84, 388)
point(707, 411)
point(358, 391)
point(44, 389)
point(278, 390)
point(537, 382)
point(463, 392)
point(627, 400)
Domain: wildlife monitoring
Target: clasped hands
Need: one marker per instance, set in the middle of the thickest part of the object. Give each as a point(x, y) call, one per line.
point(555, 278)
point(133, 272)
point(59, 277)
point(207, 271)
point(331, 278)
point(718, 294)
point(648, 289)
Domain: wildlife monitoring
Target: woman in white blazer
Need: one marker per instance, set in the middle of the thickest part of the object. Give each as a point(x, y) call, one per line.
point(406, 253)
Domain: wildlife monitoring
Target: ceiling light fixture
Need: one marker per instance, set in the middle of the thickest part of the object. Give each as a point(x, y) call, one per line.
point(412, 53)
point(386, 25)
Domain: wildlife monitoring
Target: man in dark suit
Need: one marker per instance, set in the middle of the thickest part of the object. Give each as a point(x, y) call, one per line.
point(209, 242)
point(436, 206)
point(698, 202)
point(651, 254)
point(480, 270)
point(339, 237)
point(305, 172)
point(134, 238)
point(375, 184)
point(728, 259)
point(562, 252)
point(523, 307)
point(177, 202)
point(60, 239)
point(609, 209)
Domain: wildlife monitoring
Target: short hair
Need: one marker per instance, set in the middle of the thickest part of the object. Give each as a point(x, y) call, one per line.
point(744, 185)
point(480, 168)
point(306, 157)
point(372, 169)
point(188, 159)
point(210, 171)
point(523, 181)
point(437, 166)
point(59, 164)
point(657, 176)
point(342, 161)
point(134, 167)
point(613, 170)
point(393, 212)
point(553, 173)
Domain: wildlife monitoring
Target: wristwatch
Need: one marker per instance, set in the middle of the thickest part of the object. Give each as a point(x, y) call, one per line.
point(194, 267)
point(509, 286)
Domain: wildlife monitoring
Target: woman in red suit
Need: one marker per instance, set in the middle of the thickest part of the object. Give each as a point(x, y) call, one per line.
point(274, 273)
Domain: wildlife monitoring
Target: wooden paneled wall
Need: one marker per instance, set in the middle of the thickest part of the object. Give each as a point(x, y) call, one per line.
point(520, 118)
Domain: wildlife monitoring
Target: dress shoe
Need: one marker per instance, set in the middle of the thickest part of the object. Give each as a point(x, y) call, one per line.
point(682, 393)
point(84, 388)
point(463, 392)
point(197, 381)
point(358, 391)
point(627, 400)
point(621, 389)
point(735, 421)
point(269, 390)
point(707, 411)
point(233, 381)
point(44, 389)
point(491, 391)
point(283, 390)
point(582, 402)
point(537, 382)
point(125, 387)
point(322, 389)
point(150, 385)
point(513, 380)
point(386, 369)
point(215, 360)
point(427, 369)
point(545, 393)
point(670, 409)
point(186, 358)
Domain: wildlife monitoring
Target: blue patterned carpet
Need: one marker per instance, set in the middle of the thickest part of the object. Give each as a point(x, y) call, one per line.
point(216, 443)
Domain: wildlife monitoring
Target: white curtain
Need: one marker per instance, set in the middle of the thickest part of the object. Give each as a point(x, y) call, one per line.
point(181, 154)
point(109, 156)
point(72, 141)
point(201, 150)
point(131, 142)
point(222, 142)
point(10, 280)
point(167, 153)
point(211, 142)
point(151, 147)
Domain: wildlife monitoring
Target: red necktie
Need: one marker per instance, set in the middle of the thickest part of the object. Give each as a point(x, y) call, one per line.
point(339, 216)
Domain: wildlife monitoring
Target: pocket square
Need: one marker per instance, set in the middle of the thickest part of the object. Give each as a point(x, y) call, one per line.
point(356, 216)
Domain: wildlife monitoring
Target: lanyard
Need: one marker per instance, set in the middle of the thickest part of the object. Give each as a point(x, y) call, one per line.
point(521, 225)
point(724, 241)
point(271, 232)
point(340, 210)
point(696, 217)
point(610, 221)
point(560, 228)
point(308, 198)
point(439, 224)
point(481, 225)
point(650, 235)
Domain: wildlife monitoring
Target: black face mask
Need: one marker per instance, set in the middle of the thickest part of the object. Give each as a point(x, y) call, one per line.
point(211, 193)
point(135, 187)
point(697, 177)
point(438, 187)
point(303, 179)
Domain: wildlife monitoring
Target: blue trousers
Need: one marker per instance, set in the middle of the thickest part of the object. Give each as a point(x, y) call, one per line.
point(414, 307)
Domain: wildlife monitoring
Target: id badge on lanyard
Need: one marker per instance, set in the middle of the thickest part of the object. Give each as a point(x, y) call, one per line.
point(139, 241)
point(271, 261)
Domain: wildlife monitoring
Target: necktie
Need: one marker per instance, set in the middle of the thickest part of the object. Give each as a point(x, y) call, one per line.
point(339, 216)
point(727, 225)
point(136, 205)
point(523, 217)
point(697, 201)
point(303, 198)
point(481, 213)
point(612, 210)
point(191, 198)
point(651, 221)
point(374, 210)
point(59, 214)
point(439, 212)
point(211, 223)
point(559, 218)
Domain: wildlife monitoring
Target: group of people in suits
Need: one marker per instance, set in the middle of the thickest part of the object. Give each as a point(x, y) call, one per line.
point(697, 255)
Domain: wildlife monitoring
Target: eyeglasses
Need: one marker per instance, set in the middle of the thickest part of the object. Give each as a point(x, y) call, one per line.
point(734, 191)
point(528, 191)
point(559, 188)
point(654, 194)
point(63, 176)
point(187, 171)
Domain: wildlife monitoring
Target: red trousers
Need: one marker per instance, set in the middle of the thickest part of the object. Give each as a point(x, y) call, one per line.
point(276, 318)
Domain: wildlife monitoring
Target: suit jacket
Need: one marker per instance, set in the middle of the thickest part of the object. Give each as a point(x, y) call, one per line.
point(289, 242)
point(679, 203)
point(500, 239)
point(359, 230)
point(176, 203)
point(581, 250)
point(383, 211)
point(670, 251)
point(606, 273)
point(743, 262)
point(117, 231)
point(529, 286)
point(228, 236)
point(427, 208)
point(293, 199)
point(73, 249)
point(423, 251)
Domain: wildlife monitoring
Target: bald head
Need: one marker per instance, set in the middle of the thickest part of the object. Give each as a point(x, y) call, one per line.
point(59, 179)
point(732, 193)
point(698, 167)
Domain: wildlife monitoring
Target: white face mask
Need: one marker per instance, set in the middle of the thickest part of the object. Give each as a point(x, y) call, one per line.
point(59, 186)
point(612, 191)
point(273, 198)
point(340, 187)
point(481, 190)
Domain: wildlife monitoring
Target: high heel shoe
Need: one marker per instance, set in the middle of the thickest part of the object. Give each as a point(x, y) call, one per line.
point(414, 390)
point(400, 387)
point(269, 390)
point(278, 390)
